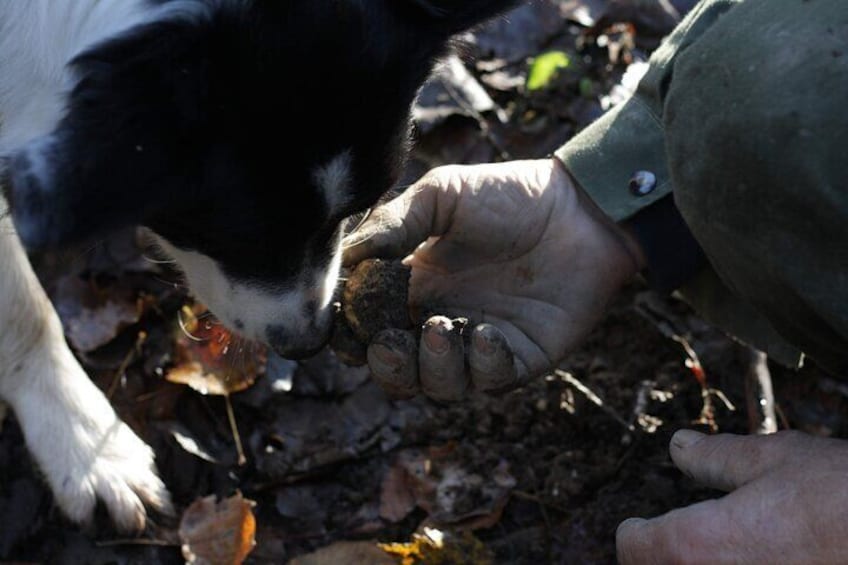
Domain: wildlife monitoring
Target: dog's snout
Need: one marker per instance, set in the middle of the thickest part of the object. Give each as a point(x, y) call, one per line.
point(294, 341)
point(293, 344)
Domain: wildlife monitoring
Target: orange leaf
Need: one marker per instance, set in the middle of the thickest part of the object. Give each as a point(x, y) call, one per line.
point(211, 359)
point(218, 532)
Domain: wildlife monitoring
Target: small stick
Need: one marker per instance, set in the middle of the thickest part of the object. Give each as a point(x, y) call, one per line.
point(136, 349)
point(232, 418)
point(593, 398)
point(784, 421)
point(136, 541)
point(707, 415)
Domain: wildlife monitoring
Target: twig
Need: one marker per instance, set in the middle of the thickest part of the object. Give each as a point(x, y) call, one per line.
point(232, 417)
point(707, 415)
point(122, 368)
point(593, 398)
point(784, 421)
point(136, 541)
point(643, 396)
point(152, 394)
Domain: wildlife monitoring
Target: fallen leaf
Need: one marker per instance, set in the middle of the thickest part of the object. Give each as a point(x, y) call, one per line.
point(184, 439)
point(93, 316)
point(211, 359)
point(218, 532)
point(545, 67)
point(396, 498)
point(445, 483)
point(306, 505)
point(583, 12)
point(347, 553)
point(521, 33)
point(452, 91)
point(303, 434)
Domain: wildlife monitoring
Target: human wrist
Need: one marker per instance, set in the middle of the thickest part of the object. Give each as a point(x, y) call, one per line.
point(621, 234)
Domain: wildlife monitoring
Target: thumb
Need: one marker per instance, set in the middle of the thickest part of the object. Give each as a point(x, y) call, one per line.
point(728, 461)
point(395, 229)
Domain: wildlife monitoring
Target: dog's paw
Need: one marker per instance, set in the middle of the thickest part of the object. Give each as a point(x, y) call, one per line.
point(117, 468)
point(84, 450)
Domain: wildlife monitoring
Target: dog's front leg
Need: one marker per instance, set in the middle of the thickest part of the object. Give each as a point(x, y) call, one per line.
point(85, 451)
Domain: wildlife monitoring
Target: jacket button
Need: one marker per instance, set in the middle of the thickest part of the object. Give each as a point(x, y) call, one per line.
point(642, 183)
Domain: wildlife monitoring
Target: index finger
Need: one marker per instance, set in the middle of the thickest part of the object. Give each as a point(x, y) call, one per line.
point(395, 229)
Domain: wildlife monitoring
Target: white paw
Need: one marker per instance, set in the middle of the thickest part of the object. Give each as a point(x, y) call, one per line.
point(85, 451)
point(116, 468)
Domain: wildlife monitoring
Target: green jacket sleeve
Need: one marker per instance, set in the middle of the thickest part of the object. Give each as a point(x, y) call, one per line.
point(630, 138)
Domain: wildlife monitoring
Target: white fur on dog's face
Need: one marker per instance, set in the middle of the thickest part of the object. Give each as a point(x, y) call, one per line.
point(293, 317)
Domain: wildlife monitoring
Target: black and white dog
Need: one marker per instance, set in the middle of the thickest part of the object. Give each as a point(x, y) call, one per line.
point(241, 132)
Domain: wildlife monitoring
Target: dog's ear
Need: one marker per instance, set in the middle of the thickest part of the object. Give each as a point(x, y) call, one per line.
point(120, 150)
point(449, 17)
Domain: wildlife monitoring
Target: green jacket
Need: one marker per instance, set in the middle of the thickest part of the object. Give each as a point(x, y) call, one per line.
point(742, 117)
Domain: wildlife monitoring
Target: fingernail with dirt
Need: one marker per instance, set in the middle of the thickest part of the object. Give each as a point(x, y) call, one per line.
point(483, 343)
point(437, 338)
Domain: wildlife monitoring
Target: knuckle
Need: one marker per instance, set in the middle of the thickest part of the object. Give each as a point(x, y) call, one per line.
point(435, 177)
point(444, 178)
point(788, 436)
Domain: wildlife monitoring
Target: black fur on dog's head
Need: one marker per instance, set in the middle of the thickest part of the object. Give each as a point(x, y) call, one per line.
point(242, 132)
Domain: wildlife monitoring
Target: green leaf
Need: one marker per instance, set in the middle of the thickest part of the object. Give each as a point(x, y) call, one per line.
point(587, 87)
point(544, 68)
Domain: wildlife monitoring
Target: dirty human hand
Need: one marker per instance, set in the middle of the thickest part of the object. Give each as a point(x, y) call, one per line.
point(787, 503)
point(517, 250)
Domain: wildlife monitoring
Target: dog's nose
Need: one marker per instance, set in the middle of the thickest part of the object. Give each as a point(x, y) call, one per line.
point(297, 354)
point(293, 344)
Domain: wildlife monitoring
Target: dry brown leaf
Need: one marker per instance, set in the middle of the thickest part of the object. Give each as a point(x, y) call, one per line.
point(347, 553)
point(94, 316)
point(218, 533)
point(211, 359)
point(397, 498)
point(443, 482)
